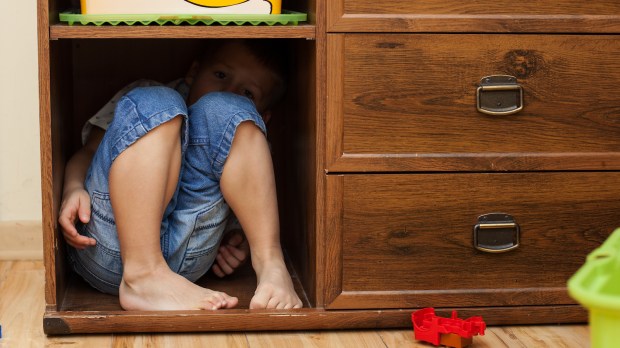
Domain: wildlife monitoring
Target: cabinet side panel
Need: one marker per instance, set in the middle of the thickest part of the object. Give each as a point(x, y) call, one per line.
point(60, 102)
point(292, 131)
point(46, 153)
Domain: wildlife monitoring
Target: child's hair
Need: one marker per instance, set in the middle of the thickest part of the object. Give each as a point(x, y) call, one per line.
point(272, 53)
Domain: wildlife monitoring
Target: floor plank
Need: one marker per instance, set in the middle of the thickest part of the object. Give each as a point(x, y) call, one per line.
point(21, 303)
point(22, 306)
point(234, 340)
point(400, 338)
point(316, 339)
point(544, 336)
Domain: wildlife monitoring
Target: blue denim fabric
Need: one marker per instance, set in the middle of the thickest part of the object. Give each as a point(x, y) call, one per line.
point(194, 221)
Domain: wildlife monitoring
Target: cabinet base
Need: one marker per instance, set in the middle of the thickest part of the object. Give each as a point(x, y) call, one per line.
point(62, 323)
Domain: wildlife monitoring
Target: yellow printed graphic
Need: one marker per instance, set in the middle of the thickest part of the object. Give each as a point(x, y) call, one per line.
point(256, 4)
point(216, 3)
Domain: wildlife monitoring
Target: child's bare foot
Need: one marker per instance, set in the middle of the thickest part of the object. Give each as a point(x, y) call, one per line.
point(166, 290)
point(275, 288)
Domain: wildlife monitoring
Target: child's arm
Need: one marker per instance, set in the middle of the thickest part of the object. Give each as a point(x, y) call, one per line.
point(75, 199)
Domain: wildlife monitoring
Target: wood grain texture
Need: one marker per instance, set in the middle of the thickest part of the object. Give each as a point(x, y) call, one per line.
point(318, 142)
point(51, 156)
point(318, 339)
point(45, 131)
point(22, 302)
point(407, 240)
point(63, 31)
point(409, 103)
point(480, 7)
point(234, 320)
point(333, 244)
point(473, 16)
point(520, 336)
point(334, 126)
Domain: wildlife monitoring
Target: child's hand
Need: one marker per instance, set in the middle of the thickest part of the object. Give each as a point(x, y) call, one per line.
point(75, 204)
point(233, 252)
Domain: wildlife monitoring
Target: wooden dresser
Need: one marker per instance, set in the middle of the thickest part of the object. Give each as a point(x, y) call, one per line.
point(448, 154)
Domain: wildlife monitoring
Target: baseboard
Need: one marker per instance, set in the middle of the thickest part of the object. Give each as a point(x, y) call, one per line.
point(21, 240)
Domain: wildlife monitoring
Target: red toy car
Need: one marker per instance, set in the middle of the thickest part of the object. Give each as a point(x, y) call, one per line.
point(451, 332)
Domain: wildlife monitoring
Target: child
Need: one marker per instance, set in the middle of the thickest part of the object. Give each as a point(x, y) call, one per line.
point(161, 182)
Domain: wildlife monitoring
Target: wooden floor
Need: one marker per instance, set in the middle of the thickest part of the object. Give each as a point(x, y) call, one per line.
point(22, 306)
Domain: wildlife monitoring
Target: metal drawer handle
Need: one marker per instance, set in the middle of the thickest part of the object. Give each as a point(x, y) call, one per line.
point(496, 233)
point(499, 95)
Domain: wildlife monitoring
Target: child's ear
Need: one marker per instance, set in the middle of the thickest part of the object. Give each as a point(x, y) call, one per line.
point(191, 73)
point(266, 115)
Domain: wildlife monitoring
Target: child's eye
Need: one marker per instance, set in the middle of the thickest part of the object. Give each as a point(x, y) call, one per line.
point(219, 74)
point(249, 94)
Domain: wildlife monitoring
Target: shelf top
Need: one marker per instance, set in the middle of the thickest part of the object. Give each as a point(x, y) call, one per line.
point(64, 31)
point(285, 25)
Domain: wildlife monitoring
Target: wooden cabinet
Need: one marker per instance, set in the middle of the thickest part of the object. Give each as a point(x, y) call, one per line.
point(384, 163)
point(429, 174)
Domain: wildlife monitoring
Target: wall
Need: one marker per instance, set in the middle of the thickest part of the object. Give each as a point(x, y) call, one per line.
point(20, 187)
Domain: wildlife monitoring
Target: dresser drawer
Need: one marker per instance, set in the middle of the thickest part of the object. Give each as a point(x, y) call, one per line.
point(407, 241)
point(408, 102)
point(474, 16)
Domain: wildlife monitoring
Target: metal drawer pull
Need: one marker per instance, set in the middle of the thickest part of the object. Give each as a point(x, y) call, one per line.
point(496, 233)
point(499, 95)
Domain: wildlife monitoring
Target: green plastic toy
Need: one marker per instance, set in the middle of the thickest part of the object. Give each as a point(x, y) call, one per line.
point(286, 18)
point(596, 285)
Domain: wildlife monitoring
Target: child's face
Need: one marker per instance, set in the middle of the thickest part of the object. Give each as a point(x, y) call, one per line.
point(234, 69)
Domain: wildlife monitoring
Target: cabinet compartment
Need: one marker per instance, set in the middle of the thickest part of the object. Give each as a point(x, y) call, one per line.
point(84, 74)
point(407, 102)
point(407, 240)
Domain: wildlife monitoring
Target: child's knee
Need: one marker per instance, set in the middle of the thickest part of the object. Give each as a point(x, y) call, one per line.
point(152, 100)
point(148, 93)
point(219, 113)
point(138, 113)
point(223, 104)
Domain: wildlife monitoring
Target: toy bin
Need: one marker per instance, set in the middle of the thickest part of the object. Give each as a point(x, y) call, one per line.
point(596, 285)
point(181, 6)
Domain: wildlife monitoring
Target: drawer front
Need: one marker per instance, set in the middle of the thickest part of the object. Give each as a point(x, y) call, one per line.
point(473, 16)
point(407, 240)
point(407, 102)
